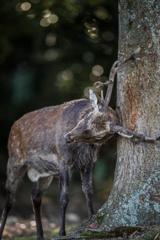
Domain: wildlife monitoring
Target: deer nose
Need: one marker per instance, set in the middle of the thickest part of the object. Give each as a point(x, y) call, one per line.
point(68, 139)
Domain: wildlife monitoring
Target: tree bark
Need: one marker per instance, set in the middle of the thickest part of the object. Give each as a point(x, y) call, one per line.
point(135, 196)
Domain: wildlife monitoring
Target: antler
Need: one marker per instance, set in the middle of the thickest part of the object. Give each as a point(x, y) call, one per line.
point(112, 74)
point(124, 132)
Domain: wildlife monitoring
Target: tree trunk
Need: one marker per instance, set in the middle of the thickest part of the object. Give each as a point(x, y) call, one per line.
point(135, 196)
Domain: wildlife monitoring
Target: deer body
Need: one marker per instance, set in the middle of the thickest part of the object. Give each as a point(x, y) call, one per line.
point(37, 145)
point(36, 141)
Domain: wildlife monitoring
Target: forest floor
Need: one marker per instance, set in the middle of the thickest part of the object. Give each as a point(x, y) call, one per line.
point(26, 230)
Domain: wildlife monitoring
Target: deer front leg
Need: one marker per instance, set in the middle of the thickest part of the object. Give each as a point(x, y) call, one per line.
point(124, 132)
point(86, 175)
point(64, 198)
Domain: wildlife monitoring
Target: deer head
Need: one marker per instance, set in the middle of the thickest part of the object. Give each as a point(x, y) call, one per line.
point(95, 126)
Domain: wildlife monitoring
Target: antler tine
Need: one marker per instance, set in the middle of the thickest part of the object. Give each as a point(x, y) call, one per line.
point(99, 84)
point(113, 72)
point(102, 97)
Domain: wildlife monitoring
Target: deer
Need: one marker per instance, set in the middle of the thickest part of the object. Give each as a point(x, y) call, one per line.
point(54, 141)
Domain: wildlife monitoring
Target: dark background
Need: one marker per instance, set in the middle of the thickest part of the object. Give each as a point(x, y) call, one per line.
point(49, 52)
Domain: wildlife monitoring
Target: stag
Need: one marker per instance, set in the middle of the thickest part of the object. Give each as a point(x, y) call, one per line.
point(55, 141)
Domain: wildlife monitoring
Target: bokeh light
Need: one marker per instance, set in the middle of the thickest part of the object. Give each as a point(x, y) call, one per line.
point(86, 92)
point(65, 75)
point(97, 70)
point(101, 13)
point(53, 18)
point(93, 77)
point(46, 13)
point(18, 7)
point(51, 55)
point(31, 14)
point(50, 39)
point(25, 6)
point(44, 22)
point(92, 29)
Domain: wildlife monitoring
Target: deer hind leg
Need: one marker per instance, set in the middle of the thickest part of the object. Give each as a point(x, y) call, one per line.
point(64, 198)
point(15, 175)
point(37, 192)
point(86, 176)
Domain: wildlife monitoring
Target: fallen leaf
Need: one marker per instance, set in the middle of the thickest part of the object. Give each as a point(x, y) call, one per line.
point(93, 225)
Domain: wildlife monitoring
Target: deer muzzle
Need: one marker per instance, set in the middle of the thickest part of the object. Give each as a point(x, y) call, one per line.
point(68, 138)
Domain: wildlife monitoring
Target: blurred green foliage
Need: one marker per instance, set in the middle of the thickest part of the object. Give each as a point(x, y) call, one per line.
point(48, 49)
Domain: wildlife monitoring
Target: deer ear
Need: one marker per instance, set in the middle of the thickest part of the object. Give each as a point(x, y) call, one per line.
point(93, 99)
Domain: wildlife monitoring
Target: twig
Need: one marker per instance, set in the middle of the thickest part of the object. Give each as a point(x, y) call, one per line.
point(156, 236)
point(133, 233)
